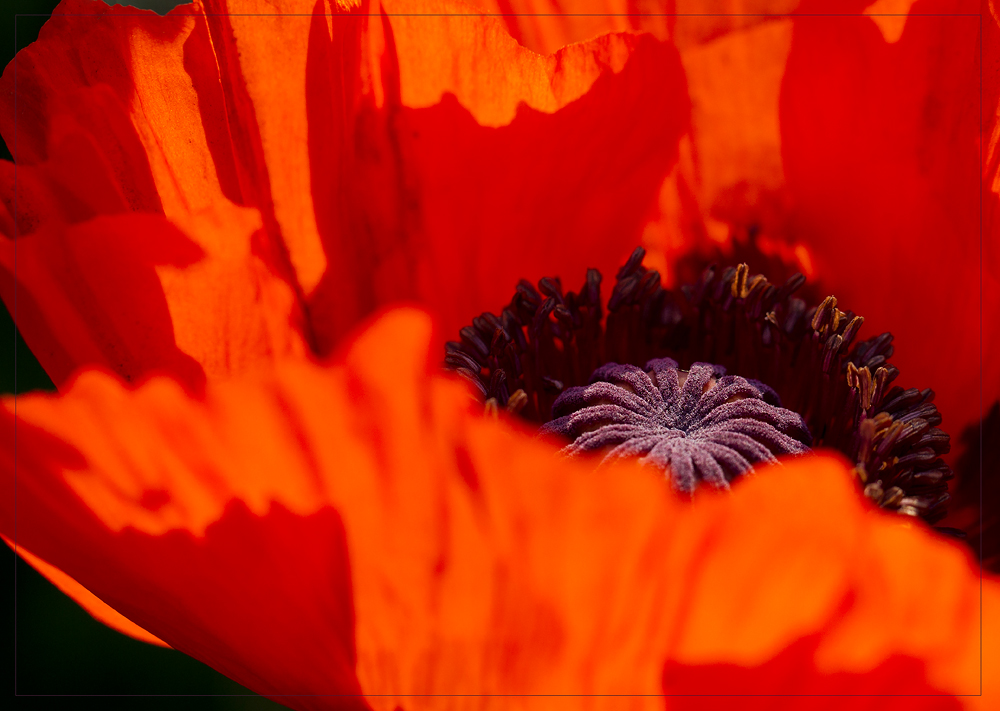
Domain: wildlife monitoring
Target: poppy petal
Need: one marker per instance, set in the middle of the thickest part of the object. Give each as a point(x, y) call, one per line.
point(730, 175)
point(468, 162)
point(258, 589)
point(547, 25)
point(990, 238)
point(512, 165)
point(134, 125)
point(380, 168)
point(117, 127)
point(881, 148)
point(135, 293)
point(97, 608)
point(849, 148)
point(299, 528)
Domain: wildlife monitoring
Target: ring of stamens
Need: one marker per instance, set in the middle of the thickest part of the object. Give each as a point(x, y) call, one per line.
point(806, 358)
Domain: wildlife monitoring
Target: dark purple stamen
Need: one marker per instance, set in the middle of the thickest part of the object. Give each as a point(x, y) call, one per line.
point(706, 427)
point(548, 341)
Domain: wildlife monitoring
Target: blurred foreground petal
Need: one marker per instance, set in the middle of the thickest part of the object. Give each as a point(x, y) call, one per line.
point(97, 608)
point(355, 528)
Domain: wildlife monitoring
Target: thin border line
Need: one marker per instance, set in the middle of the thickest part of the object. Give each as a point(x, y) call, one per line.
point(13, 156)
point(519, 14)
point(518, 696)
point(982, 413)
point(980, 178)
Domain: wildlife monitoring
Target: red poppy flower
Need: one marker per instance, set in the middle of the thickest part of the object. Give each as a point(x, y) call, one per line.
point(214, 197)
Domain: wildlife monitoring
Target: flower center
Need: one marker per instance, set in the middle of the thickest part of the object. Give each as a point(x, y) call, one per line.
point(542, 355)
point(697, 427)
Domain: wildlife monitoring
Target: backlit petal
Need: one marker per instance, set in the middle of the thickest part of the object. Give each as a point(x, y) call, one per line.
point(881, 149)
point(356, 527)
point(852, 154)
point(486, 163)
point(547, 25)
point(99, 609)
point(135, 123)
point(990, 240)
point(135, 293)
point(402, 152)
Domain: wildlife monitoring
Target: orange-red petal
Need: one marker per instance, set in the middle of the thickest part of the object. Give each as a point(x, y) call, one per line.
point(547, 25)
point(990, 228)
point(881, 150)
point(97, 608)
point(847, 137)
point(132, 249)
point(117, 110)
point(135, 293)
point(846, 134)
point(553, 194)
point(356, 528)
point(396, 155)
point(477, 162)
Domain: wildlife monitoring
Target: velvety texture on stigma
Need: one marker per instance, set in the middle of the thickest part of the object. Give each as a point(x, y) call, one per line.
point(698, 426)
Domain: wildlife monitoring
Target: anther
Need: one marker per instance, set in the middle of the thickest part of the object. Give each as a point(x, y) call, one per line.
point(867, 390)
point(881, 380)
point(853, 326)
point(825, 313)
point(853, 380)
point(874, 492)
point(739, 288)
point(517, 401)
point(892, 497)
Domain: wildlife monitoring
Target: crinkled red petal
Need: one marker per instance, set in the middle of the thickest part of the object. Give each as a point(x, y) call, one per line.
point(358, 529)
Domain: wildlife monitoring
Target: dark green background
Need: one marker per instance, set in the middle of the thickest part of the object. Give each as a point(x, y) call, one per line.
point(59, 656)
